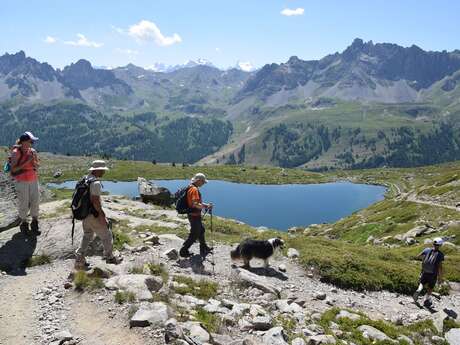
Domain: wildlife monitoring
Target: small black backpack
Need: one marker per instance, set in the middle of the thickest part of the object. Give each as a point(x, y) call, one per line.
point(81, 203)
point(181, 201)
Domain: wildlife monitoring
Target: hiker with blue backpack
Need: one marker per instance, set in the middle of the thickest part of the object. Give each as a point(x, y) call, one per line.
point(87, 206)
point(431, 270)
point(190, 202)
point(23, 166)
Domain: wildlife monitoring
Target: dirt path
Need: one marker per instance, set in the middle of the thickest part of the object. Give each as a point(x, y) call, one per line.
point(17, 305)
point(95, 325)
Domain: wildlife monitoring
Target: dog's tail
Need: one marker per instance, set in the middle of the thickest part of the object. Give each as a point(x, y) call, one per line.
point(236, 254)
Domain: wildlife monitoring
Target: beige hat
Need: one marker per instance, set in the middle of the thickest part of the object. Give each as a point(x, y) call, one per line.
point(199, 177)
point(98, 165)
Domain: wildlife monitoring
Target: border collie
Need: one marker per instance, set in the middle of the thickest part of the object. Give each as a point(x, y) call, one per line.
point(249, 249)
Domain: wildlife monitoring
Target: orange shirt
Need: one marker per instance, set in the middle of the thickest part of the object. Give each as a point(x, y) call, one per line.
point(29, 173)
point(193, 195)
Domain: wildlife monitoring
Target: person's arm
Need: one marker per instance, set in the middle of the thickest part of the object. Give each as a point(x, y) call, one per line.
point(200, 205)
point(36, 159)
point(97, 205)
point(421, 255)
point(440, 273)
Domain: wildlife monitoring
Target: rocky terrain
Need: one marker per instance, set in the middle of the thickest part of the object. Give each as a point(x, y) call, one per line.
point(155, 297)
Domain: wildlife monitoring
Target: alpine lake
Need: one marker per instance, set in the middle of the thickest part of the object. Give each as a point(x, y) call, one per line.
point(273, 206)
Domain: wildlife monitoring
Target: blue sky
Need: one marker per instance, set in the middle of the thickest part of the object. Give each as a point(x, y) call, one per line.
point(116, 32)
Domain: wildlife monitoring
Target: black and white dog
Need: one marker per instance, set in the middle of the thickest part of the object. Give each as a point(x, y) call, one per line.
point(250, 249)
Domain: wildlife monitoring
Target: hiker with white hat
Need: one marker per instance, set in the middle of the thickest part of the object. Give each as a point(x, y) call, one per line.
point(95, 222)
point(431, 270)
point(196, 205)
point(24, 170)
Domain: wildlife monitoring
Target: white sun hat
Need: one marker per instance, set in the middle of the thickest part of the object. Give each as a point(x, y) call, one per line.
point(199, 177)
point(98, 165)
point(438, 241)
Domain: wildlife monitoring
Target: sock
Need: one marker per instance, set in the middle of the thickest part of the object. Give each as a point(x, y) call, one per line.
point(420, 288)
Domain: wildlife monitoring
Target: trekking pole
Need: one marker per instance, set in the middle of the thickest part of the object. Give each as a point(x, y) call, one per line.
point(213, 247)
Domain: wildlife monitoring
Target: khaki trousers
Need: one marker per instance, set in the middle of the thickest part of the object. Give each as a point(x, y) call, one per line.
point(28, 198)
point(91, 226)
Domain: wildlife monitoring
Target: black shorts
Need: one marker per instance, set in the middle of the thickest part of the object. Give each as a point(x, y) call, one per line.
point(428, 279)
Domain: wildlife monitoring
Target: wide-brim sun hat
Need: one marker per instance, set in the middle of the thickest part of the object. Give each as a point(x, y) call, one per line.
point(199, 177)
point(98, 165)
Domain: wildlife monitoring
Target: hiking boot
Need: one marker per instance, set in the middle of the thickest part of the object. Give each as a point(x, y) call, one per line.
point(113, 260)
point(206, 250)
point(415, 296)
point(184, 253)
point(427, 303)
point(34, 227)
point(24, 227)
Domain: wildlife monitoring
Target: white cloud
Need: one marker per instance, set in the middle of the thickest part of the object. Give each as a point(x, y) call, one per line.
point(290, 12)
point(84, 42)
point(218, 50)
point(128, 52)
point(118, 30)
point(245, 66)
point(148, 31)
point(50, 40)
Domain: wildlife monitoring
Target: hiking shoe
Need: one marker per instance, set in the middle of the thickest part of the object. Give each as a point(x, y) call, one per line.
point(185, 253)
point(113, 260)
point(206, 250)
point(427, 303)
point(24, 227)
point(34, 227)
point(415, 296)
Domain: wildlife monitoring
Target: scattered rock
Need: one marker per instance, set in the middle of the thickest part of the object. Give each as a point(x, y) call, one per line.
point(262, 323)
point(347, 314)
point(321, 339)
point(282, 267)
point(257, 281)
point(293, 253)
point(453, 336)
point(171, 254)
point(62, 336)
point(275, 336)
point(372, 333)
point(298, 341)
point(141, 285)
point(155, 314)
point(320, 296)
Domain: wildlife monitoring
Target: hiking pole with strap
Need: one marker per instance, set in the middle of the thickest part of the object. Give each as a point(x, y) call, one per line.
point(213, 248)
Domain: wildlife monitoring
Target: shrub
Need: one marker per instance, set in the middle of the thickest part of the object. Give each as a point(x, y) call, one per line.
point(158, 270)
point(120, 238)
point(82, 282)
point(203, 288)
point(124, 296)
point(38, 260)
point(210, 321)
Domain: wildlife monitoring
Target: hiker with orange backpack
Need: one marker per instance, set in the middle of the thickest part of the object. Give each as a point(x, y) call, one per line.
point(24, 165)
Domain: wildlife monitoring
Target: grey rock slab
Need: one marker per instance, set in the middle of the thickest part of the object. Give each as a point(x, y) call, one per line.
point(321, 339)
point(141, 285)
point(155, 314)
point(298, 341)
point(373, 333)
point(257, 281)
point(453, 336)
point(199, 333)
point(262, 323)
point(347, 314)
point(275, 336)
point(438, 320)
point(221, 339)
point(62, 336)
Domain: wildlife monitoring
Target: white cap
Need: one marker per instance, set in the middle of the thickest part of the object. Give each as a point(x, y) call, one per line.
point(31, 136)
point(98, 165)
point(438, 241)
point(199, 177)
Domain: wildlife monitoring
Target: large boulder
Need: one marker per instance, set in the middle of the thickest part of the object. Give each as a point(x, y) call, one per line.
point(150, 192)
point(453, 336)
point(141, 285)
point(151, 314)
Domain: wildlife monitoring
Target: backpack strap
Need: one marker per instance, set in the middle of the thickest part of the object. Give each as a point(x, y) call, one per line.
point(73, 228)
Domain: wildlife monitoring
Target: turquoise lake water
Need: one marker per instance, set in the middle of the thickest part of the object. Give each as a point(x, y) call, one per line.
point(274, 206)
